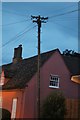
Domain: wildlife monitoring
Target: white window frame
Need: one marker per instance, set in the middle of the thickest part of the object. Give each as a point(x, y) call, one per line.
point(54, 76)
point(0, 101)
point(14, 108)
point(2, 78)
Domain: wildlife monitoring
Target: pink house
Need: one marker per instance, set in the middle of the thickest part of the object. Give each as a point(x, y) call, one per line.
point(18, 83)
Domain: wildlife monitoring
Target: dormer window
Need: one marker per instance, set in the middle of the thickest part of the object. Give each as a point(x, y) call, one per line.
point(2, 78)
point(54, 81)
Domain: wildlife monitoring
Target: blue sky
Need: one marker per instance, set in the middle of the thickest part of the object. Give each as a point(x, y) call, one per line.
point(59, 31)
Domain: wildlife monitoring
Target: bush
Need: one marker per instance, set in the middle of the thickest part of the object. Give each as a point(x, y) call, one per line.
point(54, 106)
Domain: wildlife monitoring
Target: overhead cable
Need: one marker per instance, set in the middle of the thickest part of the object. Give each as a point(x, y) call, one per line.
point(17, 36)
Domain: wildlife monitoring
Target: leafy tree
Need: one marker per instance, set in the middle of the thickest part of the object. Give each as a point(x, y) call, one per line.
point(54, 106)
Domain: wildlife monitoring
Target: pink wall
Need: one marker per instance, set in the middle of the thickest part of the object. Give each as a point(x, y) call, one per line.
point(30, 99)
point(55, 65)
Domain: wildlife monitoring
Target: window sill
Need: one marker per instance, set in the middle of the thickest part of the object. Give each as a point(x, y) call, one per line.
point(53, 87)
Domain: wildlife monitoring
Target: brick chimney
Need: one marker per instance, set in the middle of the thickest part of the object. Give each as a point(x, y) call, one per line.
point(17, 54)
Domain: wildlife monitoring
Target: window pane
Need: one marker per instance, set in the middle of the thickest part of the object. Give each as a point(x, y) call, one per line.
point(14, 106)
point(0, 101)
point(54, 81)
point(2, 79)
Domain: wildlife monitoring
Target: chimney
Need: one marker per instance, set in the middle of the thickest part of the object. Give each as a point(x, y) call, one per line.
point(17, 54)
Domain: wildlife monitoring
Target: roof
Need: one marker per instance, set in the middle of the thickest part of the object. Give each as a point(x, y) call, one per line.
point(20, 73)
point(73, 64)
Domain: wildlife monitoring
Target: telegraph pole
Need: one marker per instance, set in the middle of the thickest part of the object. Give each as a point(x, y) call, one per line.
point(38, 20)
